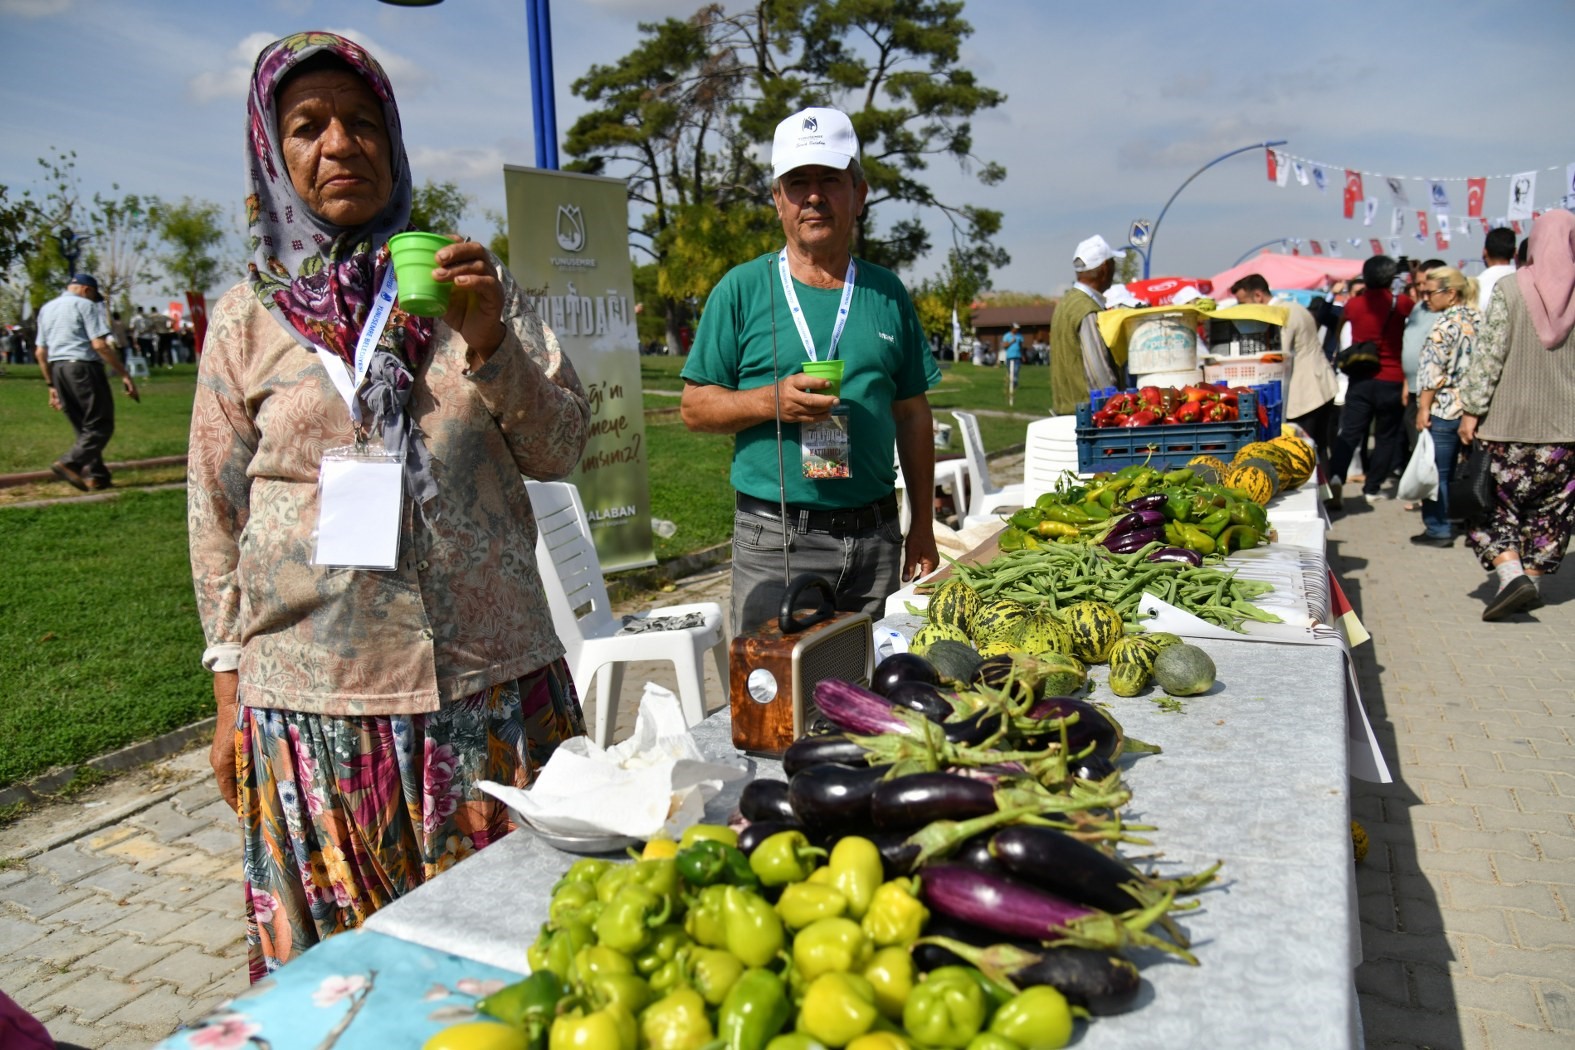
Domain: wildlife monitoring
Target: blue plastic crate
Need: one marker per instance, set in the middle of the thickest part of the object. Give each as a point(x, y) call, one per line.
point(1162, 447)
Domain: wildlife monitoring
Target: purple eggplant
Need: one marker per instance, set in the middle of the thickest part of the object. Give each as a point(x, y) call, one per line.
point(766, 800)
point(1093, 726)
point(1152, 502)
point(820, 750)
point(1132, 542)
point(899, 855)
point(1012, 907)
point(915, 800)
point(1091, 767)
point(854, 709)
point(902, 667)
point(926, 699)
point(760, 830)
point(1067, 867)
point(1177, 554)
point(975, 853)
point(1101, 982)
point(975, 728)
point(832, 797)
point(1136, 521)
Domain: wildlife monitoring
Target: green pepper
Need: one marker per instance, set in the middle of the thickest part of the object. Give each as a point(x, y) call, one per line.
point(1179, 476)
point(612, 880)
point(1178, 506)
point(1214, 523)
point(1027, 518)
point(837, 1008)
point(597, 959)
point(891, 974)
point(665, 944)
point(529, 1004)
point(756, 1008)
point(946, 1010)
point(660, 876)
point(830, 944)
point(1012, 539)
point(795, 1041)
point(1069, 513)
point(1196, 539)
point(536, 954)
point(1055, 528)
point(1094, 512)
point(1131, 471)
point(896, 915)
point(1238, 538)
point(629, 991)
point(711, 972)
point(707, 833)
point(1037, 1018)
point(677, 1021)
point(708, 862)
point(1106, 496)
point(705, 922)
point(784, 857)
point(627, 921)
point(991, 1041)
point(569, 900)
point(802, 903)
point(597, 1030)
point(1246, 512)
point(995, 995)
point(753, 931)
point(857, 871)
point(563, 946)
point(586, 869)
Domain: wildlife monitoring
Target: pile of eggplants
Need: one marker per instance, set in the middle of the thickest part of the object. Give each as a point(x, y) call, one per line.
point(1017, 868)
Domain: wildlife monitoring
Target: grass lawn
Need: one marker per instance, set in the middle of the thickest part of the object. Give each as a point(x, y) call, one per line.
point(99, 638)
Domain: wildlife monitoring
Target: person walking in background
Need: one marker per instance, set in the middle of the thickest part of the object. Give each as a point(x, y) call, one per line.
point(1498, 260)
point(1377, 316)
point(1079, 359)
point(1444, 359)
point(1012, 353)
point(72, 350)
point(1309, 383)
point(843, 528)
point(1417, 327)
point(1518, 397)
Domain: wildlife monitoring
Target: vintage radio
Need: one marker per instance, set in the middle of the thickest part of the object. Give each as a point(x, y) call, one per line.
point(774, 668)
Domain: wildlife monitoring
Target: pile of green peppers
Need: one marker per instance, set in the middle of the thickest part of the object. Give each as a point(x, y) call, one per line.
point(790, 948)
point(1207, 518)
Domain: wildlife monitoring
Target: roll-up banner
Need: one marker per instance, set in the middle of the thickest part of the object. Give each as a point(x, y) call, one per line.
point(569, 248)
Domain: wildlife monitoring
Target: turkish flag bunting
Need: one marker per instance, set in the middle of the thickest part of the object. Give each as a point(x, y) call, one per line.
point(1421, 224)
point(1274, 174)
point(1438, 239)
point(1353, 192)
point(1317, 249)
point(1378, 246)
point(1476, 189)
point(1516, 227)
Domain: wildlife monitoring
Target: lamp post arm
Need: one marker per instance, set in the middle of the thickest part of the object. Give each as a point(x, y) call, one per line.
point(1223, 156)
point(1256, 248)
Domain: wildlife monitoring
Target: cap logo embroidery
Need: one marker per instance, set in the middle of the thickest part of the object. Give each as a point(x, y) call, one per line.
point(811, 124)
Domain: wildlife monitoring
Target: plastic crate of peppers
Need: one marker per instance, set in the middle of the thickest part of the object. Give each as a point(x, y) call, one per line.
point(904, 889)
point(1165, 426)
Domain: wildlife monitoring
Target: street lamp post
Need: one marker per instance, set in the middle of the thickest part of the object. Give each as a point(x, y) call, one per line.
point(70, 247)
point(1148, 255)
point(543, 103)
point(1256, 248)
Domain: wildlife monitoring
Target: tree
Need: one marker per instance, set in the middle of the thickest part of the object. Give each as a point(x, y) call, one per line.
point(191, 232)
point(683, 115)
point(122, 231)
point(1129, 267)
point(438, 207)
point(16, 230)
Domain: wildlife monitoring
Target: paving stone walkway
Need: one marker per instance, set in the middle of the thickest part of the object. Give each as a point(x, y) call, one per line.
point(129, 924)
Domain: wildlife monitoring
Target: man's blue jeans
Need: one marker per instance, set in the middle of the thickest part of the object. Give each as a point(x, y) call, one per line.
point(1446, 448)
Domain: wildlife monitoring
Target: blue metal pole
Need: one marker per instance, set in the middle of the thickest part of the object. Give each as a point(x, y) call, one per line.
point(1223, 156)
point(537, 97)
point(549, 103)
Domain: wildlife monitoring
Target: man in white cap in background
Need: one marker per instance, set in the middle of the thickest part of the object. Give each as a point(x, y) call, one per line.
point(813, 301)
point(1079, 359)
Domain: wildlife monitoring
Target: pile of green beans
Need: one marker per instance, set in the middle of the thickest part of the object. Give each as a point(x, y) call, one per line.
point(1058, 575)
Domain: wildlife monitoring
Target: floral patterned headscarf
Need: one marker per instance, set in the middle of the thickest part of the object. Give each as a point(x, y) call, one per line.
point(318, 279)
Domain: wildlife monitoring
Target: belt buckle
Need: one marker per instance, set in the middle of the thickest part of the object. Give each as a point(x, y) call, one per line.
point(844, 521)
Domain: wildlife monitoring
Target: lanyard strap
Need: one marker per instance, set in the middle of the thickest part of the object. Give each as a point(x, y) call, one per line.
point(371, 332)
point(798, 312)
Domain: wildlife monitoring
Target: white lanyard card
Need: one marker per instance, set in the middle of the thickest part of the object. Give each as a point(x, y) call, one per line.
point(826, 451)
point(359, 494)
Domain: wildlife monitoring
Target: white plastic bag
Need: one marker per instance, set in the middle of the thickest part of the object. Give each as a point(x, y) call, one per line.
point(1420, 480)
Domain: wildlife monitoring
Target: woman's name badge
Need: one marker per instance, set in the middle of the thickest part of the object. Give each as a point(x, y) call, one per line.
point(827, 452)
point(359, 494)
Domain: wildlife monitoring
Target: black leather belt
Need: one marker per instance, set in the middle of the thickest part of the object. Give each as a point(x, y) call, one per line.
point(837, 522)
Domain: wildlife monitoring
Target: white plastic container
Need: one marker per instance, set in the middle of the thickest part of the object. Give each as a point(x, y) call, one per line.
point(1187, 377)
point(1162, 343)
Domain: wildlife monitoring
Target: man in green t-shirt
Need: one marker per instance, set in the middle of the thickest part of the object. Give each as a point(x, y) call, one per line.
point(833, 467)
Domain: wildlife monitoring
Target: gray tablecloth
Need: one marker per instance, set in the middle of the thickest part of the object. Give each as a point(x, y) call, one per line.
point(1254, 774)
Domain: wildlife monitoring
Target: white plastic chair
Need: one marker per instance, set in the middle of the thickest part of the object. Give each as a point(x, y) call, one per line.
point(951, 473)
point(137, 366)
point(986, 501)
point(582, 615)
point(1049, 448)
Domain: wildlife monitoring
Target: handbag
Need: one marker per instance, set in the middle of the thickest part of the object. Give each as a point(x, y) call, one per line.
point(1471, 491)
point(1360, 360)
point(1420, 480)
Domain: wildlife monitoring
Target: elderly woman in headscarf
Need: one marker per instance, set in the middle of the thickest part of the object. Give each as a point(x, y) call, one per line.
point(359, 704)
point(1519, 398)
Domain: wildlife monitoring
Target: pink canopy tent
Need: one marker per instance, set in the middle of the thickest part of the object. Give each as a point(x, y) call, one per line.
point(1288, 271)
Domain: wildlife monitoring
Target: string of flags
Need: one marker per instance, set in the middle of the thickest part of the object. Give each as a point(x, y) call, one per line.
point(1334, 247)
point(1520, 200)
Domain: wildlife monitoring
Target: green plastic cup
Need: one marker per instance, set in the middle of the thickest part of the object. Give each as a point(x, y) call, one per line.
point(828, 370)
point(415, 257)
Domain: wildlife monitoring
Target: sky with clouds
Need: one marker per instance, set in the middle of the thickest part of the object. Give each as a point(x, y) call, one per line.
point(1109, 108)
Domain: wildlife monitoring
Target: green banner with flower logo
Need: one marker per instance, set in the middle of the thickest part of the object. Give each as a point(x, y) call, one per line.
point(569, 247)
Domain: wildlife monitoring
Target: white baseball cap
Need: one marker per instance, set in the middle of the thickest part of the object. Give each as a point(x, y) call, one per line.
point(814, 136)
point(1092, 253)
